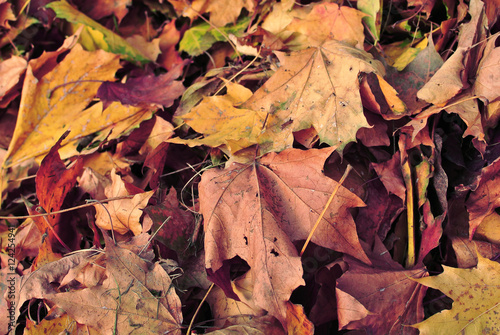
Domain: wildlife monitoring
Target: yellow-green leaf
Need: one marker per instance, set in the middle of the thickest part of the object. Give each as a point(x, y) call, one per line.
point(476, 296)
point(114, 43)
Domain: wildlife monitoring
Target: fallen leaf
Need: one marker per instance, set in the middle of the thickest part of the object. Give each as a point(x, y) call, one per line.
point(102, 8)
point(273, 202)
point(223, 12)
point(45, 107)
point(410, 80)
point(485, 198)
point(329, 21)
point(362, 289)
point(177, 232)
point(466, 251)
point(475, 294)
point(222, 123)
point(124, 214)
point(201, 37)
point(372, 8)
point(446, 82)
point(54, 181)
point(297, 321)
point(144, 90)
point(113, 43)
point(316, 87)
point(488, 74)
point(11, 71)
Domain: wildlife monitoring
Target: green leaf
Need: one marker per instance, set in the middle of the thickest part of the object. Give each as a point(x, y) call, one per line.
point(201, 37)
point(113, 43)
point(373, 20)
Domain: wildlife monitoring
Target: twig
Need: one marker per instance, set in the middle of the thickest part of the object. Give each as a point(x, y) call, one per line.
point(346, 173)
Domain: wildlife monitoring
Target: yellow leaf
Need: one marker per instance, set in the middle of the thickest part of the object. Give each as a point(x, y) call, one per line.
point(222, 124)
point(125, 213)
point(51, 102)
point(476, 300)
point(57, 101)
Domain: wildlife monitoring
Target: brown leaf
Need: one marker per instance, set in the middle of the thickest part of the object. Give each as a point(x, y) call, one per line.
point(10, 73)
point(256, 211)
point(363, 293)
point(223, 12)
point(101, 8)
point(487, 84)
point(447, 82)
point(125, 213)
point(136, 296)
point(485, 198)
point(329, 21)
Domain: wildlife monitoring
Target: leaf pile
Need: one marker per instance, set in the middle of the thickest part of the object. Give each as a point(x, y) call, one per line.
point(276, 167)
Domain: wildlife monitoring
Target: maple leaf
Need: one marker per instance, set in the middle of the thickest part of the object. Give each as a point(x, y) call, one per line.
point(50, 88)
point(316, 87)
point(125, 213)
point(476, 300)
point(256, 211)
point(361, 290)
point(329, 21)
point(222, 123)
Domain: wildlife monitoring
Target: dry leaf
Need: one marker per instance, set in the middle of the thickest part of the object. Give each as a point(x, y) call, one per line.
point(476, 296)
point(256, 211)
point(317, 87)
point(125, 214)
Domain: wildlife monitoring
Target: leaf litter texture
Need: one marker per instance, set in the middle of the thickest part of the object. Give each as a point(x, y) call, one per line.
point(112, 303)
point(256, 211)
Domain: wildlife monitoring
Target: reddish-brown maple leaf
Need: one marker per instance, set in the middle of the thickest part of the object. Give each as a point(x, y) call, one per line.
point(256, 211)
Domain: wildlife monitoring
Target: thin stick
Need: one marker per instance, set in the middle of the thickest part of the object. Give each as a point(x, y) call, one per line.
point(64, 210)
point(346, 173)
point(153, 236)
point(198, 309)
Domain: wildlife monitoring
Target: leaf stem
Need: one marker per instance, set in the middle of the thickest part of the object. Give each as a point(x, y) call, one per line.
point(410, 260)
